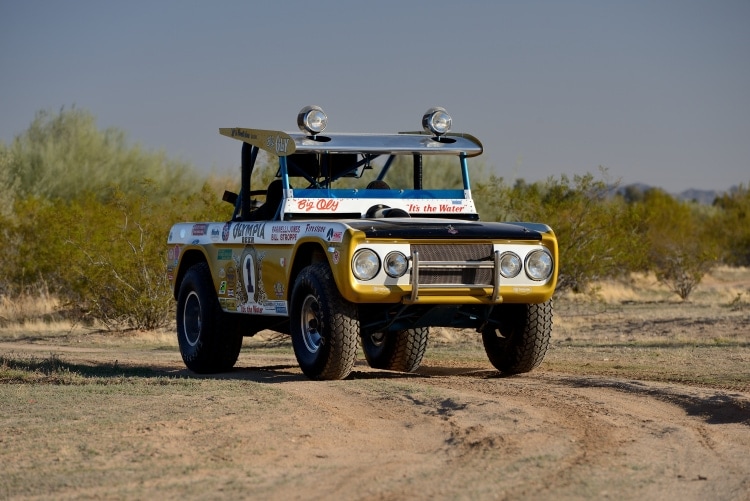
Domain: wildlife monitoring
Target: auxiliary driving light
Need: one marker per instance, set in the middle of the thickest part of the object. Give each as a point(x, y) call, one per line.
point(437, 121)
point(396, 264)
point(510, 265)
point(312, 119)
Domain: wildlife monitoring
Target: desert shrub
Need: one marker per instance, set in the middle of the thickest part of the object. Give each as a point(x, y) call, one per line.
point(597, 233)
point(119, 273)
point(681, 242)
point(104, 256)
point(733, 223)
point(87, 215)
point(63, 154)
point(8, 183)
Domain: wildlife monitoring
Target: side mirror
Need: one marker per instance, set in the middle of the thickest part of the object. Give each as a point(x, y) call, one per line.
point(230, 197)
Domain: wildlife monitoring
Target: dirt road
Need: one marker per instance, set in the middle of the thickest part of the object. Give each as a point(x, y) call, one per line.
point(606, 416)
point(454, 430)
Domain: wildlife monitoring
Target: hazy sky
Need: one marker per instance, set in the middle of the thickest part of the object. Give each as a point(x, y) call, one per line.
point(656, 91)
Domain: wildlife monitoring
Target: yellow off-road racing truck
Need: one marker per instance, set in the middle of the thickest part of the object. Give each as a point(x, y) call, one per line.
point(356, 243)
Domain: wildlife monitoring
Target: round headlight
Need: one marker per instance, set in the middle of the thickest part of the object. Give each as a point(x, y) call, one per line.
point(539, 265)
point(510, 265)
point(312, 120)
point(396, 264)
point(437, 121)
point(365, 264)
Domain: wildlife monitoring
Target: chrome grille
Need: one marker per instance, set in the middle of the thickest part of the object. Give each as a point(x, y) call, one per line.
point(449, 264)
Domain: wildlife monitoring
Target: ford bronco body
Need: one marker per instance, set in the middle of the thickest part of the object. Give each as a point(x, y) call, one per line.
point(351, 247)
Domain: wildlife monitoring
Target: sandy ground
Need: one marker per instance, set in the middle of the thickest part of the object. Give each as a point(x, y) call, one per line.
point(454, 430)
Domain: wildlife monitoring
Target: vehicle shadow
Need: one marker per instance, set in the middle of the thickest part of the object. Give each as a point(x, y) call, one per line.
point(713, 406)
point(54, 368)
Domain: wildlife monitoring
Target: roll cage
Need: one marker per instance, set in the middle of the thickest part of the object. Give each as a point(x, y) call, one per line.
point(319, 161)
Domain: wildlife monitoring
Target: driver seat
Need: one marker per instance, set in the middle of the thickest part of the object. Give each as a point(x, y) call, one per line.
point(270, 207)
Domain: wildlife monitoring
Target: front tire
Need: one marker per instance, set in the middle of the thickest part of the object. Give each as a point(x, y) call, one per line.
point(396, 351)
point(209, 340)
point(517, 338)
point(324, 326)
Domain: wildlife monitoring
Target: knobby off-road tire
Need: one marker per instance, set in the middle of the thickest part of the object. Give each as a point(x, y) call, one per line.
point(518, 344)
point(324, 326)
point(396, 351)
point(209, 339)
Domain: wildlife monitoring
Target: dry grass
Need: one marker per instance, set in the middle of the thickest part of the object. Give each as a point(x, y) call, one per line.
point(632, 328)
point(32, 308)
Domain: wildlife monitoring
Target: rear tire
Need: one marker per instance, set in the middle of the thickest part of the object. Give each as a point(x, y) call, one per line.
point(518, 337)
point(324, 326)
point(396, 351)
point(209, 339)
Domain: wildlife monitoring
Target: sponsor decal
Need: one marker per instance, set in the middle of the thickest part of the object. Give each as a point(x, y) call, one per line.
point(215, 233)
point(450, 208)
point(522, 290)
point(277, 143)
point(173, 254)
point(315, 228)
point(435, 208)
point(200, 229)
point(223, 287)
point(321, 204)
point(225, 231)
point(242, 134)
point(249, 231)
point(282, 262)
point(227, 303)
point(452, 230)
point(278, 289)
point(336, 256)
point(334, 236)
point(253, 308)
point(222, 273)
point(284, 233)
point(224, 255)
point(281, 308)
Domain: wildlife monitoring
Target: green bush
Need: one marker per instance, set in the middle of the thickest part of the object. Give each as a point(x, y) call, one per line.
point(64, 154)
point(85, 215)
point(733, 224)
point(597, 233)
point(681, 241)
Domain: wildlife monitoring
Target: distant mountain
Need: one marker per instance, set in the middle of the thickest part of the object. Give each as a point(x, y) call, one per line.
point(706, 197)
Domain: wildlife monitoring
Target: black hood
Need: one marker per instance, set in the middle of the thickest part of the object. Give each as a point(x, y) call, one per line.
point(445, 228)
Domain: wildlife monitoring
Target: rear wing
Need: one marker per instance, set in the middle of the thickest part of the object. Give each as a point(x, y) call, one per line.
point(285, 143)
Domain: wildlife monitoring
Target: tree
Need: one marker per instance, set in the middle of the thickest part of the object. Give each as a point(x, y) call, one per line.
point(63, 154)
